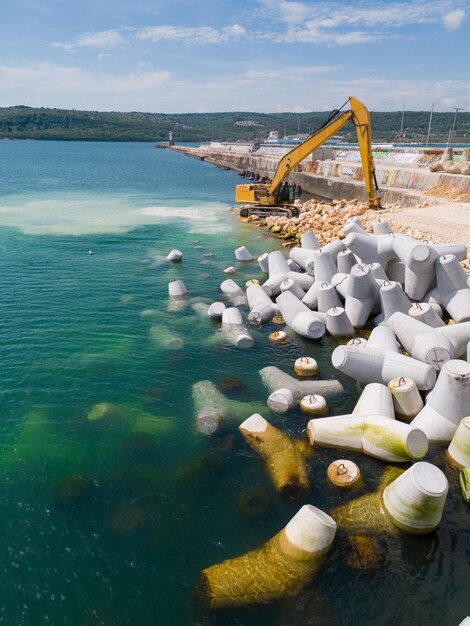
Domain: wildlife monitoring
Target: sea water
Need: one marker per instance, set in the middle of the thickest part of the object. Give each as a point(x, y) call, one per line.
point(111, 502)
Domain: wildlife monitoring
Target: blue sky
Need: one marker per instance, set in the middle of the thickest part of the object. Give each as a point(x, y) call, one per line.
point(219, 55)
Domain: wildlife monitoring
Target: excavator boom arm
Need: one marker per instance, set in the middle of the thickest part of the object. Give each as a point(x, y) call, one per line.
point(359, 115)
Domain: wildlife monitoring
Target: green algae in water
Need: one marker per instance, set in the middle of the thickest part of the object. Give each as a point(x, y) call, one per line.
point(465, 483)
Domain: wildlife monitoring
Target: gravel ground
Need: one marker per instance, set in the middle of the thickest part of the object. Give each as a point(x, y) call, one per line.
point(441, 221)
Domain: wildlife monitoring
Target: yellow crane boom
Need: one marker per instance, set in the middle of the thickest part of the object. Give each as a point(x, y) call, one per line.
point(270, 195)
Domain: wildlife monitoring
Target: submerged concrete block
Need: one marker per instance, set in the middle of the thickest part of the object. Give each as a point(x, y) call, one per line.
point(242, 254)
point(287, 391)
point(177, 290)
point(282, 567)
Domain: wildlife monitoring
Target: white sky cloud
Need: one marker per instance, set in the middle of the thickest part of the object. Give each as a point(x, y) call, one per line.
point(193, 35)
point(101, 39)
point(347, 23)
point(155, 90)
point(454, 19)
point(71, 87)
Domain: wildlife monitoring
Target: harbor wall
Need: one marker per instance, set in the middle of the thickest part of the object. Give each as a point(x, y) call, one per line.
point(402, 175)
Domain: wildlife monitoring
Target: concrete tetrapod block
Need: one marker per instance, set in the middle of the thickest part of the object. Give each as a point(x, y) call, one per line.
point(395, 271)
point(212, 408)
point(415, 500)
point(392, 299)
point(175, 256)
point(382, 228)
point(277, 263)
point(433, 297)
point(305, 281)
point(459, 448)
point(327, 297)
point(459, 250)
point(338, 323)
point(374, 435)
point(371, 248)
point(282, 567)
point(425, 313)
point(263, 262)
point(407, 400)
point(373, 365)
point(286, 391)
point(383, 338)
point(216, 309)
point(230, 288)
point(421, 341)
point(458, 335)
point(340, 283)
point(357, 342)
point(375, 399)
point(333, 248)
point(310, 299)
point(345, 261)
point(353, 225)
point(360, 296)
point(234, 329)
point(293, 266)
point(309, 241)
point(301, 256)
point(285, 458)
point(435, 346)
point(314, 404)
point(453, 289)
point(419, 260)
point(306, 366)
point(261, 306)
point(299, 317)
point(289, 285)
point(177, 290)
point(448, 403)
point(278, 269)
point(242, 254)
point(324, 266)
point(377, 272)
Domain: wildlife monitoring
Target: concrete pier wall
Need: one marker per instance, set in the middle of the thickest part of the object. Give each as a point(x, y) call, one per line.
point(338, 175)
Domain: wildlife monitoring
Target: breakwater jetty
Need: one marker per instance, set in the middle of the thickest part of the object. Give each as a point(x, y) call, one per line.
point(334, 172)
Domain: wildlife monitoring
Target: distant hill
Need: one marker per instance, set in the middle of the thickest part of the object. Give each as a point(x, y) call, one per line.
point(21, 122)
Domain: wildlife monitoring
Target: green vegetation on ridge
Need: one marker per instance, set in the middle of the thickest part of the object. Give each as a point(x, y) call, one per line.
point(21, 122)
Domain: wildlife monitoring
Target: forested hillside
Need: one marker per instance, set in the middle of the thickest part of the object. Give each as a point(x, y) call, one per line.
point(22, 122)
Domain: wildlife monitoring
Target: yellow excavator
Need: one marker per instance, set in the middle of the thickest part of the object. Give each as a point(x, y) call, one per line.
point(277, 196)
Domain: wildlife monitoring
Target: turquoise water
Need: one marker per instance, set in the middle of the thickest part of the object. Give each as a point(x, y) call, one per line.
point(110, 521)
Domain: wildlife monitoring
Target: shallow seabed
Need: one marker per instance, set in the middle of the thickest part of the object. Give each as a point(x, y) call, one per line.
point(111, 503)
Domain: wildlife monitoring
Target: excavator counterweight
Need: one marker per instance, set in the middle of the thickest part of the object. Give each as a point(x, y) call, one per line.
point(259, 198)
